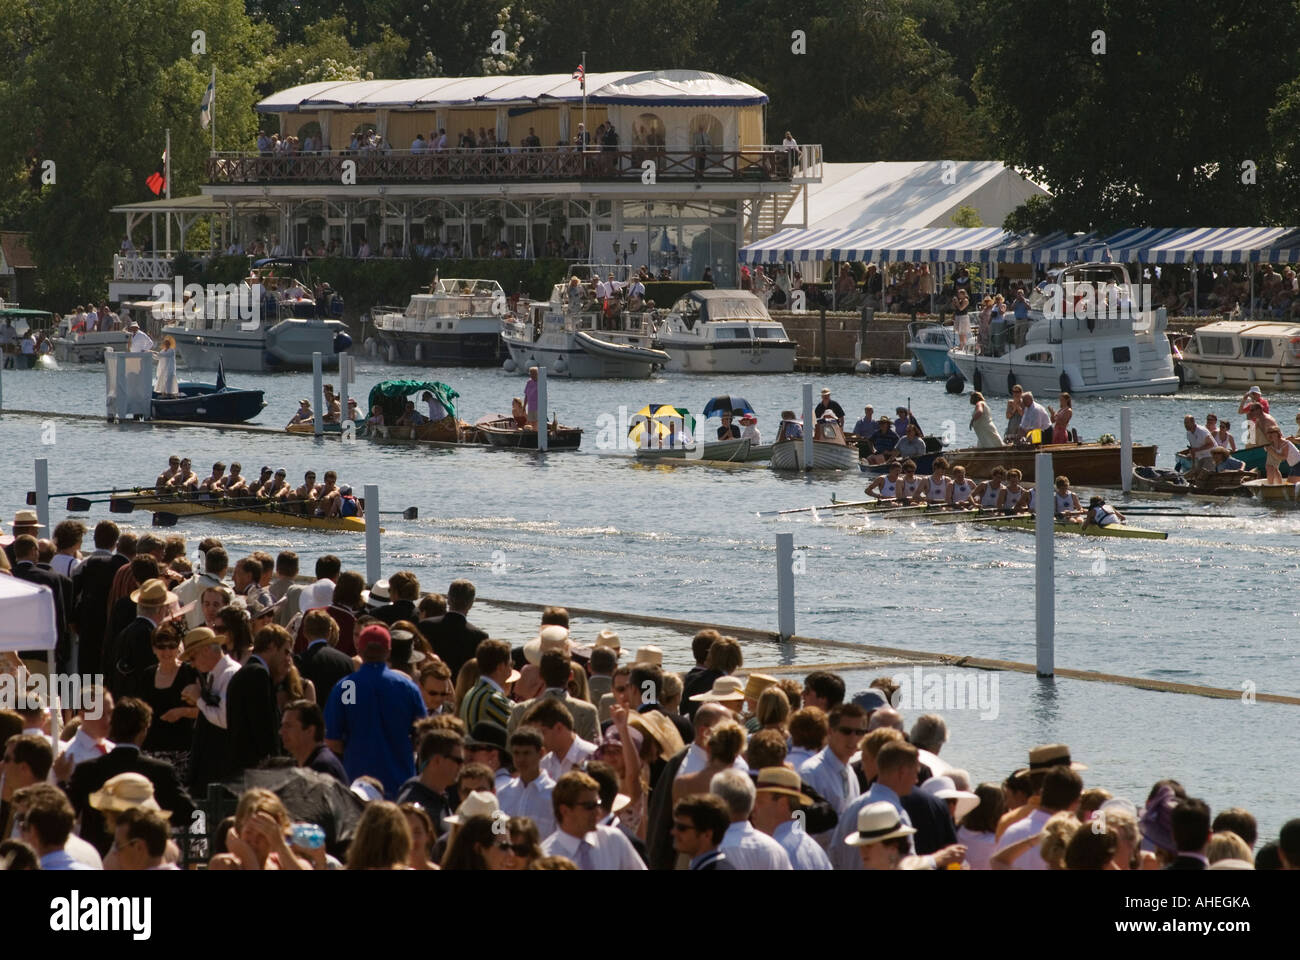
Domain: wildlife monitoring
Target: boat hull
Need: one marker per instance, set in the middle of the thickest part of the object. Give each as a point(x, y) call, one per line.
point(288, 345)
point(502, 432)
point(726, 451)
point(453, 350)
point(267, 517)
point(1240, 375)
point(1279, 494)
point(997, 373)
point(568, 359)
point(789, 455)
point(725, 358)
point(88, 347)
point(1147, 478)
point(1119, 530)
point(1086, 464)
point(204, 403)
point(759, 453)
point(1255, 458)
point(934, 360)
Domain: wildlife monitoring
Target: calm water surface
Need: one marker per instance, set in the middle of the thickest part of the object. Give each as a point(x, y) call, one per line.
point(1212, 605)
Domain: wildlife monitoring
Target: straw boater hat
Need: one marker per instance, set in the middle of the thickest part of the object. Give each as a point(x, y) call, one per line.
point(946, 789)
point(549, 638)
point(784, 781)
point(877, 822)
point(153, 593)
point(648, 656)
point(1046, 757)
point(126, 791)
point(606, 638)
point(28, 518)
point(660, 728)
point(724, 688)
point(756, 683)
point(480, 803)
point(196, 640)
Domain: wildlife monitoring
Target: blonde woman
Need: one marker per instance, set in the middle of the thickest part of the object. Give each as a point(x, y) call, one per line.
point(383, 839)
point(258, 840)
point(1226, 845)
point(417, 818)
point(165, 383)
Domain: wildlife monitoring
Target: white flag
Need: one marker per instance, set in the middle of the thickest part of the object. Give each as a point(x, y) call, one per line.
point(209, 100)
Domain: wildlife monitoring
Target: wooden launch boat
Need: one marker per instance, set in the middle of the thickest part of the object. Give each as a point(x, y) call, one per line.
point(723, 451)
point(830, 450)
point(1086, 464)
point(502, 430)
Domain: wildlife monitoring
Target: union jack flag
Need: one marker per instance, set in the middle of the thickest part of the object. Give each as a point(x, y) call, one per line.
point(581, 76)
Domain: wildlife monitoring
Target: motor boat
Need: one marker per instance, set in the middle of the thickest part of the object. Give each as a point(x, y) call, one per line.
point(929, 343)
point(1237, 354)
point(455, 323)
point(724, 331)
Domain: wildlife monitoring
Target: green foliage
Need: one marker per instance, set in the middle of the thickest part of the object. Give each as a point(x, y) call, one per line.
point(966, 216)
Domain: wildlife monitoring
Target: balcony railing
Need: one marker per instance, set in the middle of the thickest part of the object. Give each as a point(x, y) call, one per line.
point(148, 268)
point(761, 164)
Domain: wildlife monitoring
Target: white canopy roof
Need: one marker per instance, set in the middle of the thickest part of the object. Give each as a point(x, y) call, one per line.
point(662, 87)
point(28, 623)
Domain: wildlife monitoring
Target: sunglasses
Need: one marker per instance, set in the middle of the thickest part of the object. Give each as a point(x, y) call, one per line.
point(166, 646)
point(852, 731)
point(680, 827)
point(588, 805)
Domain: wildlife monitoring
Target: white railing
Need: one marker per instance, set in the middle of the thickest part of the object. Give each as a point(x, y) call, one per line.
point(143, 269)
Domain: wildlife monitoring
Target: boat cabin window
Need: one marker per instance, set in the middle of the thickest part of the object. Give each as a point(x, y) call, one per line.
point(827, 430)
point(1042, 357)
point(730, 333)
point(1256, 348)
point(1212, 346)
point(688, 309)
point(770, 333)
point(1119, 355)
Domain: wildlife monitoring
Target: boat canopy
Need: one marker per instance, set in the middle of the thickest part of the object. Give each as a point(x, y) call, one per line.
point(391, 395)
point(709, 305)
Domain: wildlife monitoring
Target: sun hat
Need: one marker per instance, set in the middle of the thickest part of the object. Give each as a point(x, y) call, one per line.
point(724, 688)
point(377, 596)
point(649, 656)
point(258, 608)
point(660, 728)
point(551, 637)
point(756, 683)
point(27, 518)
point(945, 789)
point(749, 418)
point(608, 638)
point(1157, 821)
point(126, 791)
point(1048, 756)
point(316, 595)
point(152, 593)
point(877, 822)
point(480, 803)
point(826, 392)
point(196, 640)
point(366, 791)
point(784, 781)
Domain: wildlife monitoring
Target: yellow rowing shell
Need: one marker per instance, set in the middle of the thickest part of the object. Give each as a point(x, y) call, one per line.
point(269, 517)
point(1114, 530)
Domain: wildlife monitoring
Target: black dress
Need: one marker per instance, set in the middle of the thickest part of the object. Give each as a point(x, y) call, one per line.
point(169, 741)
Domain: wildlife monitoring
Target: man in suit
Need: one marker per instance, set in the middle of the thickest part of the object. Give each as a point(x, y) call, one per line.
point(931, 818)
point(603, 663)
point(659, 817)
point(252, 715)
point(26, 553)
point(127, 729)
point(699, 822)
point(555, 668)
point(453, 638)
point(90, 585)
point(322, 663)
point(404, 589)
point(1191, 829)
point(131, 652)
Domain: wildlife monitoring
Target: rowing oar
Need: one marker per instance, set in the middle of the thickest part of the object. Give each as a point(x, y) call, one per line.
point(31, 494)
point(129, 504)
point(830, 506)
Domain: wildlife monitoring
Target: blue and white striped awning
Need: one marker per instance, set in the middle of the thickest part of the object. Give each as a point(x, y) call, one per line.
point(1192, 245)
point(1057, 247)
point(931, 244)
point(1285, 249)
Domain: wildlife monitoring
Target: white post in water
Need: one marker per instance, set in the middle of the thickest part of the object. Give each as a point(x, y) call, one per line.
point(808, 425)
point(373, 566)
point(543, 435)
point(1125, 450)
point(785, 585)
point(1045, 564)
point(43, 493)
point(317, 393)
point(343, 387)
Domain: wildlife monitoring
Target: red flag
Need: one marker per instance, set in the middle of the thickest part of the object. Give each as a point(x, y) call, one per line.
point(157, 181)
point(581, 75)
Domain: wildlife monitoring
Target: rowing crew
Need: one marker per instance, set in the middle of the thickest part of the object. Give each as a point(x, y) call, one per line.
point(328, 499)
point(1003, 492)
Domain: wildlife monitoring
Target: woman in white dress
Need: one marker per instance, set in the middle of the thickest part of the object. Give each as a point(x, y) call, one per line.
point(981, 421)
point(165, 384)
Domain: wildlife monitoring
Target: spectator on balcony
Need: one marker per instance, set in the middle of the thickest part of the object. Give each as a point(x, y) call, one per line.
point(363, 251)
point(482, 141)
point(532, 141)
point(439, 142)
point(277, 248)
point(388, 250)
point(263, 144)
point(417, 145)
point(583, 139)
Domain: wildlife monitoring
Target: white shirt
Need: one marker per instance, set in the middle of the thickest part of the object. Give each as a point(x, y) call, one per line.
point(804, 852)
point(84, 747)
point(1200, 442)
point(556, 767)
point(1035, 418)
point(226, 668)
point(436, 411)
point(751, 849)
point(1031, 859)
point(750, 432)
point(519, 799)
point(979, 847)
point(63, 563)
point(191, 591)
point(605, 848)
point(140, 342)
point(697, 758)
point(832, 779)
point(797, 756)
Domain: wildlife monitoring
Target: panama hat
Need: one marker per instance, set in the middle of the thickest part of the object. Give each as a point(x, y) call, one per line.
point(648, 656)
point(784, 781)
point(27, 518)
point(877, 822)
point(756, 683)
point(480, 803)
point(606, 638)
point(660, 728)
point(724, 688)
point(549, 638)
point(152, 593)
point(127, 791)
point(1048, 756)
point(945, 789)
point(196, 640)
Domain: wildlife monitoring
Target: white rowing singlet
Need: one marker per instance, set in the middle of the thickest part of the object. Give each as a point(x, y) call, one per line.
point(910, 487)
point(960, 491)
point(938, 493)
point(990, 497)
point(888, 488)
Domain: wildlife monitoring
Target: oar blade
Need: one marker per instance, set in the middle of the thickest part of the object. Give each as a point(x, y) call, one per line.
point(121, 505)
point(411, 513)
point(78, 504)
point(164, 519)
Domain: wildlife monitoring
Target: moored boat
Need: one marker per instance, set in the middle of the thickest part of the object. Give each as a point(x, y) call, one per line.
point(929, 343)
point(1087, 464)
point(209, 403)
point(724, 331)
point(1234, 354)
point(501, 430)
point(455, 323)
point(830, 450)
point(726, 451)
point(1227, 483)
point(1275, 494)
point(1255, 458)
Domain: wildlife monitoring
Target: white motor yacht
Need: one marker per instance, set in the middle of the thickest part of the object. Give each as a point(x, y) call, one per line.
point(454, 323)
point(724, 331)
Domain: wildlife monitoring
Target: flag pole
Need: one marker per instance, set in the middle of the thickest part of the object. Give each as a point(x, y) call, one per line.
point(167, 185)
point(212, 109)
point(586, 134)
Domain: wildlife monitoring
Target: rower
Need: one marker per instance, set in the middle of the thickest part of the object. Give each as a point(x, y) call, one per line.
point(214, 484)
point(258, 487)
point(348, 506)
point(1102, 514)
point(987, 493)
point(278, 488)
point(960, 490)
point(185, 478)
point(304, 413)
point(165, 478)
point(234, 483)
point(1065, 505)
point(308, 489)
point(885, 486)
point(328, 496)
point(909, 486)
point(936, 489)
point(1014, 498)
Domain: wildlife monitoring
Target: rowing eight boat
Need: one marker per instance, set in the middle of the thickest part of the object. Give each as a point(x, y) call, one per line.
point(269, 514)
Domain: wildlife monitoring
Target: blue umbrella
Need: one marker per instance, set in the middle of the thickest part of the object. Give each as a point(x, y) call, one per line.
point(727, 404)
